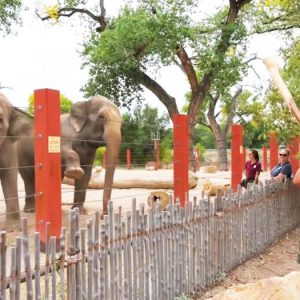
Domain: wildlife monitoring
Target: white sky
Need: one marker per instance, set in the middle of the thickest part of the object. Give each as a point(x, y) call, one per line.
point(45, 56)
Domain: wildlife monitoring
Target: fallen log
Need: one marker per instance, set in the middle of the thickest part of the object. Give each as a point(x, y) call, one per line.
point(97, 182)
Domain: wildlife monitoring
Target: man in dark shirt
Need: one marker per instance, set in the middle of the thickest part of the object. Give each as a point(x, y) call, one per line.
point(284, 167)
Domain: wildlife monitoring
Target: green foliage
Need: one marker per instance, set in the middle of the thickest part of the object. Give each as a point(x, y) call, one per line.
point(281, 16)
point(9, 14)
point(137, 40)
point(202, 151)
point(251, 113)
point(65, 104)
point(182, 297)
point(138, 131)
point(204, 137)
point(166, 147)
point(99, 156)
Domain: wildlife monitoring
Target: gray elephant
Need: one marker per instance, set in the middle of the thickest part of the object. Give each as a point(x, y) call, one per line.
point(12, 125)
point(89, 125)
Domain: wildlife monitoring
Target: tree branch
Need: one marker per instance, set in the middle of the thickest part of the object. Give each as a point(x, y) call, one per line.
point(70, 11)
point(223, 45)
point(188, 68)
point(168, 101)
point(282, 28)
point(232, 109)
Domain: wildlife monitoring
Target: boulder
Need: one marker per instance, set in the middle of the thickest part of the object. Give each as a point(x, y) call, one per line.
point(275, 288)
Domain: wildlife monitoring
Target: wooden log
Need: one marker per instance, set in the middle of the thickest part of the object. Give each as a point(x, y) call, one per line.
point(162, 196)
point(211, 189)
point(96, 182)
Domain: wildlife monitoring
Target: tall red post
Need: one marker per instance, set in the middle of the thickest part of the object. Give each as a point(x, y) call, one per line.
point(47, 163)
point(181, 158)
point(293, 155)
point(237, 155)
point(156, 149)
point(128, 156)
point(273, 150)
point(265, 158)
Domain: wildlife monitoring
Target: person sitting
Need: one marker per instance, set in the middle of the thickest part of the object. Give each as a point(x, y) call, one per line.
point(284, 167)
point(252, 169)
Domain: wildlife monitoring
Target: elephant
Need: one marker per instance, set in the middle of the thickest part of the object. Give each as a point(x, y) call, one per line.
point(13, 124)
point(89, 125)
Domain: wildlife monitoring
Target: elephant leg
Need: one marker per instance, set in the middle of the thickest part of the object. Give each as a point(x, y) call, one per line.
point(29, 206)
point(10, 191)
point(72, 168)
point(80, 189)
point(27, 175)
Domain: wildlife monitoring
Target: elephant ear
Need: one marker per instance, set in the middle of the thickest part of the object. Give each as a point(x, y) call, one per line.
point(78, 115)
point(20, 123)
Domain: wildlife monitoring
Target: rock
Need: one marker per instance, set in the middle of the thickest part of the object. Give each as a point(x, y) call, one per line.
point(275, 288)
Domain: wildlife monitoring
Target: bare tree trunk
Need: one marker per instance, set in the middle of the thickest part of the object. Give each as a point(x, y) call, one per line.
point(222, 154)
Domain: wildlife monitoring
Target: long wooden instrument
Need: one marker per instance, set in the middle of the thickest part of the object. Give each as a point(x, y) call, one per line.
point(273, 69)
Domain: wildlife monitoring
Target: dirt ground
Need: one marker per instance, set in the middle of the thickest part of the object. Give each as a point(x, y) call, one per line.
point(278, 260)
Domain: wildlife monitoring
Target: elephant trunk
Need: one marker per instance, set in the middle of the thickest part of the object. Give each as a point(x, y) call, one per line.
point(113, 143)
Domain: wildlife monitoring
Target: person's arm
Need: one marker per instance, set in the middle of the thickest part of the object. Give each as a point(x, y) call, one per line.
point(258, 170)
point(279, 176)
point(285, 171)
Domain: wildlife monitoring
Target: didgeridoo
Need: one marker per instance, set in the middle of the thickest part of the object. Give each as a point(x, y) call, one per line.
point(273, 69)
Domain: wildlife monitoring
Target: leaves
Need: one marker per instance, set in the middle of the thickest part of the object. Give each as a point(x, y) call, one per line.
point(9, 12)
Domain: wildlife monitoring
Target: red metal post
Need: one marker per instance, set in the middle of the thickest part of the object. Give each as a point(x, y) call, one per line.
point(156, 149)
point(47, 163)
point(181, 158)
point(265, 158)
point(273, 150)
point(293, 155)
point(237, 155)
point(128, 155)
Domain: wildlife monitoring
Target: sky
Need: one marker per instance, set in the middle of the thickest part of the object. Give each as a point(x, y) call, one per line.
point(41, 55)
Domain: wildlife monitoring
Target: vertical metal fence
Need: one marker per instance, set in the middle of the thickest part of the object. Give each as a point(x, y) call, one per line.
point(153, 255)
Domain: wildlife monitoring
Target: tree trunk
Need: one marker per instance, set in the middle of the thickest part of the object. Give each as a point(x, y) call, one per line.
point(222, 154)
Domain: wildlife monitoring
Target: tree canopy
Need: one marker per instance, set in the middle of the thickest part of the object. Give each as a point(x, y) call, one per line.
point(9, 12)
point(124, 54)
